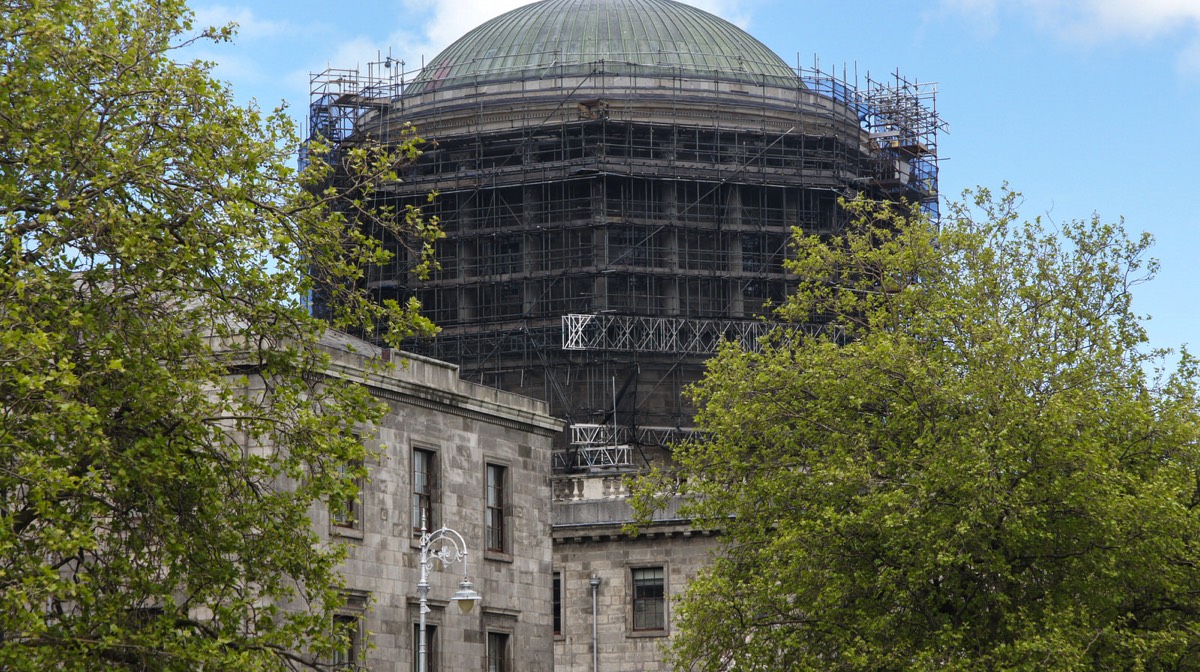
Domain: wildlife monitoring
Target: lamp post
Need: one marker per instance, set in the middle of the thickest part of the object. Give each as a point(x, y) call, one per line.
point(595, 582)
point(449, 547)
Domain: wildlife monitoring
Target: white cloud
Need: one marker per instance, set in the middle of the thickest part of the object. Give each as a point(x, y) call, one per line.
point(448, 20)
point(737, 12)
point(1096, 22)
point(250, 26)
point(1143, 18)
point(1189, 59)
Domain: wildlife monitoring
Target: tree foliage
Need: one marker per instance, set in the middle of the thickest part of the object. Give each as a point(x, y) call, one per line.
point(164, 435)
point(982, 467)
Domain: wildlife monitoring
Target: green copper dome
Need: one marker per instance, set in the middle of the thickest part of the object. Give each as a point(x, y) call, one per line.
point(577, 37)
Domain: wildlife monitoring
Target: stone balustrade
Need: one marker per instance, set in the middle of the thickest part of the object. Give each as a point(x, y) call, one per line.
point(590, 487)
point(589, 499)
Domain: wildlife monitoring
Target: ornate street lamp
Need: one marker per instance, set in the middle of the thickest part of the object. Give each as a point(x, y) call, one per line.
point(449, 547)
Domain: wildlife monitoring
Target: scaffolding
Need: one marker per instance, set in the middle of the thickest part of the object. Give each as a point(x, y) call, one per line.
point(605, 233)
point(902, 118)
point(624, 333)
point(658, 334)
point(340, 98)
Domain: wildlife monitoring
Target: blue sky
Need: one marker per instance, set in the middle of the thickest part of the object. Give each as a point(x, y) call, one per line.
point(1084, 106)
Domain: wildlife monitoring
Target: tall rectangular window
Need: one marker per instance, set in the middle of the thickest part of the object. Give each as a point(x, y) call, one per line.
point(346, 629)
point(345, 512)
point(424, 473)
point(497, 652)
point(649, 599)
point(431, 649)
point(495, 508)
point(557, 605)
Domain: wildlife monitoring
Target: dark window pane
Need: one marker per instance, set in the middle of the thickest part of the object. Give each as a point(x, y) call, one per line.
point(422, 490)
point(649, 599)
point(345, 627)
point(431, 658)
point(497, 652)
point(495, 508)
point(344, 512)
point(558, 603)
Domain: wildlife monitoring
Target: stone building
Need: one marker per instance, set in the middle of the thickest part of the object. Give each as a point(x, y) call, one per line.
point(618, 181)
point(613, 591)
point(475, 459)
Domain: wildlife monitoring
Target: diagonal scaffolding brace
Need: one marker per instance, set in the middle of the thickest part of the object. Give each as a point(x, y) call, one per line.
point(628, 333)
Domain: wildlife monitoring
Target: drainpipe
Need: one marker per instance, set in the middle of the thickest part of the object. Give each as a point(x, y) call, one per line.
point(595, 581)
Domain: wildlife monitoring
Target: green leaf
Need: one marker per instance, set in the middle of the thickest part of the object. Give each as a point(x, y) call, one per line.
point(978, 470)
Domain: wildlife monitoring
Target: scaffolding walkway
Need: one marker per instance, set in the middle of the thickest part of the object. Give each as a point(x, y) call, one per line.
point(628, 333)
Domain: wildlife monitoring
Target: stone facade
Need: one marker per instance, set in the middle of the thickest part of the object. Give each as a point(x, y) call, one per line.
point(464, 427)
point(589, 541)
point(614, 208)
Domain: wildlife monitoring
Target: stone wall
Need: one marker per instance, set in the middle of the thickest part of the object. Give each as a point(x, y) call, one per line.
point(466, 427)
point(589, 541)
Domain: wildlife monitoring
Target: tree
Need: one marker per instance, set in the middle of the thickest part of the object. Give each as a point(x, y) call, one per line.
point(165, 431)
point(981, 466)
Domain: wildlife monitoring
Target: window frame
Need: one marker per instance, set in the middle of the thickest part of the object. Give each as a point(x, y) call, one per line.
point(556, 603)
point(346, 516)
point(347, 657)
point(639, 602)
point(495, 517)
point(423, 502)
point(431, 647)
point(505, 659)
point(351, 616)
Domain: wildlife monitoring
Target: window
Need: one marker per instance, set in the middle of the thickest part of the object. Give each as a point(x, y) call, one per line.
point(495, 508)
point(424, 472)
point(649, 599)
point(431, 648)
point(557, 606)
point(497, 652)
point(346, 629)
point(346, 512)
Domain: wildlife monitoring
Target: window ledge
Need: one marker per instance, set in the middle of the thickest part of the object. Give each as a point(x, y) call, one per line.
point(345, 532)
point(503, 612)
point(497, 556)
point(645, 634)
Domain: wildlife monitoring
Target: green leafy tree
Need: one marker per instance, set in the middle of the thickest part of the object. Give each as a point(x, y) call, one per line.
point(981, 467)
point(165, 432)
